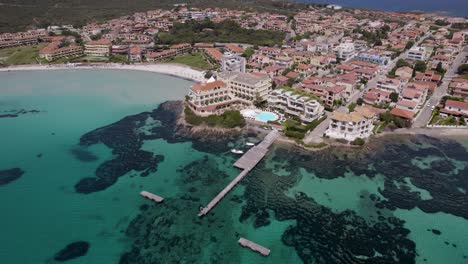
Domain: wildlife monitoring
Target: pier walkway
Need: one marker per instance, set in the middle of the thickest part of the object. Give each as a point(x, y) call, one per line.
point(247, 162)
point(151, 196)
point(252, 157)
point(254, 246)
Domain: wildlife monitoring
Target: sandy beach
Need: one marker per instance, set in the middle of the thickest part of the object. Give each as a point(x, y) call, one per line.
point(176, 70)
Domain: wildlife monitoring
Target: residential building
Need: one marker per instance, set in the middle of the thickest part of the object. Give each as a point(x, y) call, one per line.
point(345, 51)
point(376, 97)
point(349, 126)
point(455, 108)
point(160, 55)
point(56, 50)
point(373, 57)
point(181, 48)
point(213, 54)
point(98, 48)
point(306, 107)
point(389, 84)
point(134, 54)
point(428, 76)
point(232, 62)
point(459, 87)
point(416, 53)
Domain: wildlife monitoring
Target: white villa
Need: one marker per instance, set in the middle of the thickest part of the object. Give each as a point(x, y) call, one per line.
point(349, 126)
point(304, 107)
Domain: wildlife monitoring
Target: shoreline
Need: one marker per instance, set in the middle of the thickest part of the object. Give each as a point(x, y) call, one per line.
point(171, 69)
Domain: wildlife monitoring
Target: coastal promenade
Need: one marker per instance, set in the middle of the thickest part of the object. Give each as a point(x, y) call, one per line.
point(247, 162)
point(176, 70)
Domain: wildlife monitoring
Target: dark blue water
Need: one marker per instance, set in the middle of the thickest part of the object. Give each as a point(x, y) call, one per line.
point(452, 7)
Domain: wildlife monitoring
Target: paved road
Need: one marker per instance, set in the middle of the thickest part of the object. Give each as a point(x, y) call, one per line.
point(426, 112)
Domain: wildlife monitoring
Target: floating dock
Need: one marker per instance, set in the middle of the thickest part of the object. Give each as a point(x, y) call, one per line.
point(247, 162)
point(254, 246)
point(151, 196)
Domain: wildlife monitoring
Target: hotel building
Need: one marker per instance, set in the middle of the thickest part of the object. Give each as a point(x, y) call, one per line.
point(231, 89)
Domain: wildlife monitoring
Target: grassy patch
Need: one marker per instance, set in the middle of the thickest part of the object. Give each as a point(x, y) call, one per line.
point(194, 60)
point(21, 55)
point(229, 119)
point(90, 59)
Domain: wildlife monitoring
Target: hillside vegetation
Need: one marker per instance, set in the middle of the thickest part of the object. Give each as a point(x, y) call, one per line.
point(225, 31)
point(17, 15)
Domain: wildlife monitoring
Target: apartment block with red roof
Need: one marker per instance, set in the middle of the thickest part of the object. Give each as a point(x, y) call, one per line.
point(56, 50)
point(98, 48)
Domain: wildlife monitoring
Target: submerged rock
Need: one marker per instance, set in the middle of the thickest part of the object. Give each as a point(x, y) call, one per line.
point(7, 176)
point(82, 154)
point(72, 250)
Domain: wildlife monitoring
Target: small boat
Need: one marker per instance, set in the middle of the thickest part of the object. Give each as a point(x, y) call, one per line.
point(237, 151)
point(250, 144)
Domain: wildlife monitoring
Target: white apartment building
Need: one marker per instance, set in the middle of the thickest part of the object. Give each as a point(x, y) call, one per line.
point(416, 53)
point(349, 126)
point(232, 63)
point(389, 84)
point(345, 51)
point(304, 107)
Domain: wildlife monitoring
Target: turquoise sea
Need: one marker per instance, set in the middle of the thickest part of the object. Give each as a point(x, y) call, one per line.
point(399, 200)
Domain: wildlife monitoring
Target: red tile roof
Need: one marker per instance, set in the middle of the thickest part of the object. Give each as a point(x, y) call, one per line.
point(208, 86)
point(456, 104)
point(402, 113)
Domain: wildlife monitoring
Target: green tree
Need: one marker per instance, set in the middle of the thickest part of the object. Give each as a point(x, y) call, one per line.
point(462, 69)
point(351, 107)
point(420, 66)
point(248, 52)
point(409, 45)
point(401, 63)
point(96, 37)
point(394, 97)
point(358, 142)
point(360, 101)
point(439, 68)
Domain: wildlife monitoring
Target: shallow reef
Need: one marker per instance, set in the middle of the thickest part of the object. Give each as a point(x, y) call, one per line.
point(126, 142)
point(17, 113)
point(171, 232)
point(10, 175)
point(72, 251)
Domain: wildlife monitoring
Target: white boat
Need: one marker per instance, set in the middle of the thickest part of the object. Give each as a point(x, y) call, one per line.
point(250, 144)
point(237, 151)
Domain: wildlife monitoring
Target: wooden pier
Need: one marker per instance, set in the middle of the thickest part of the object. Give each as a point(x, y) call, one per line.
point(252, 157)
point(151, 196)
point(247, 162)
point(254, 246)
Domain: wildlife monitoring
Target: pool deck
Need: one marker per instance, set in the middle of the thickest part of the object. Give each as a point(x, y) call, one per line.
point(254, 114)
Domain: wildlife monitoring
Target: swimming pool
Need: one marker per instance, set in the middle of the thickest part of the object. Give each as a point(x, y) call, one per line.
point(260, 116)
